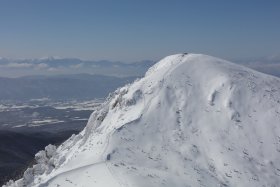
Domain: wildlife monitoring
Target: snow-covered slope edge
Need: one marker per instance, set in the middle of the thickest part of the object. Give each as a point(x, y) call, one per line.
point(193, 120)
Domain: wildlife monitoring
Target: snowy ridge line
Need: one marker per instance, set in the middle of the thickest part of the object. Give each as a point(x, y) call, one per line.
point(193, 120)
point(45, 164)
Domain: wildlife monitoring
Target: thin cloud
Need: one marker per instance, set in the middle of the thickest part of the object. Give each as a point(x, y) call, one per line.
point(41, 66)
point(17, 65)
point(77, 66)
point(52, 69)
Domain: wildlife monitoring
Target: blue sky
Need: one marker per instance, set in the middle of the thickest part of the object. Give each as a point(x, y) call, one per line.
point(132, 30)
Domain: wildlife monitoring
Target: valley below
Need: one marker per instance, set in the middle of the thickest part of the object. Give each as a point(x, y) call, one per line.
point(27, 127)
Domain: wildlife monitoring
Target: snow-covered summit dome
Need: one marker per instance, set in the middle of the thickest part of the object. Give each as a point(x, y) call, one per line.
point(193, 120)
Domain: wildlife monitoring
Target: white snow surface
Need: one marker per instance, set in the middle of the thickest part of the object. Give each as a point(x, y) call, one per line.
point(193, 120)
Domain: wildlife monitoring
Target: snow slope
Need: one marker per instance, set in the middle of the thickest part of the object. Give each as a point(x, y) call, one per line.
point(193, 120)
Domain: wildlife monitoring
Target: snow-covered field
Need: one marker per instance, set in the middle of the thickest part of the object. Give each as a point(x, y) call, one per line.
point(35, 113)
point(78, 105)
point(35, 103)
point(193, 120)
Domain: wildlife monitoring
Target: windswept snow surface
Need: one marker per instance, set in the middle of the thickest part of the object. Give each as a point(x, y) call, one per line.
point(193, 120)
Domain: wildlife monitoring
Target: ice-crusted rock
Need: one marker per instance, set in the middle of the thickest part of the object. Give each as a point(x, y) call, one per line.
point(45, 163)
point(193, 120)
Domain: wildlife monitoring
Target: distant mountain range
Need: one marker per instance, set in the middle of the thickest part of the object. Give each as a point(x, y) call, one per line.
point(269, 65)
point(56, 66)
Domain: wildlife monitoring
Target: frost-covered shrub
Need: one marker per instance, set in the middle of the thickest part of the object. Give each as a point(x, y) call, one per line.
point(46, 162)
point(50, 150)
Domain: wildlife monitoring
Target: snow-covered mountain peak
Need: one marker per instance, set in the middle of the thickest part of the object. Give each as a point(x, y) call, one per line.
point(193, 120)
